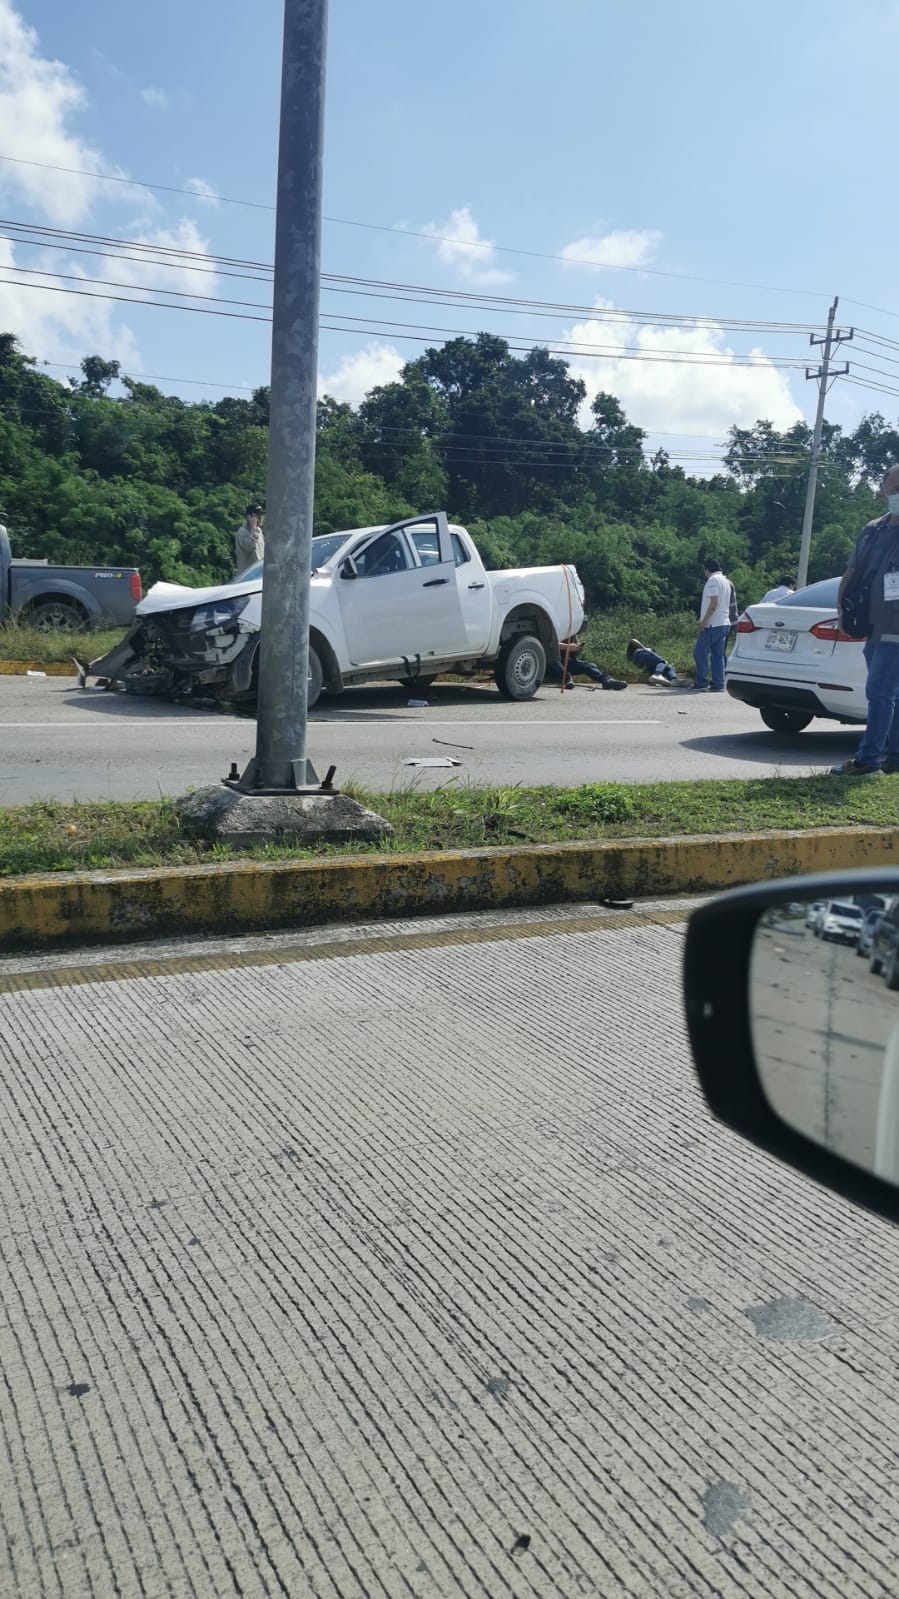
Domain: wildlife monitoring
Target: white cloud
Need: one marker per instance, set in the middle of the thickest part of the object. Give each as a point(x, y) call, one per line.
point(155, 97)
point(358, 374)
point(665, 396)
point(459, 246)
point(141, 274)
point(38, 99)
point(59, 327)
point(203, 189)
point(626, 247)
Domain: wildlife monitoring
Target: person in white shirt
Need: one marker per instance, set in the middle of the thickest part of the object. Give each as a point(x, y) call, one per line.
point(249, 540)
point(712, 629)
point(783, 587)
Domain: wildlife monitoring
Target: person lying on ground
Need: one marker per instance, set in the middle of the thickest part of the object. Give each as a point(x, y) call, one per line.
point(646, 660)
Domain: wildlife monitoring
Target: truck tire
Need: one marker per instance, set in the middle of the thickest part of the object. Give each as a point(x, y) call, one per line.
point(521, 667)
point(316, 679)
point(874, 965)
point(57, 616)
point(781, 721)
point(891, 973)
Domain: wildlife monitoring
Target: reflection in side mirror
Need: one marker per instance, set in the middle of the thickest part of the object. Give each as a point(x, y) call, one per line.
point(348, 567)
point(823, 1000)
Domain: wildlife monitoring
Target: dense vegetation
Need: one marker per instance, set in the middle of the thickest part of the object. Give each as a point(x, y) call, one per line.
point(154, 481)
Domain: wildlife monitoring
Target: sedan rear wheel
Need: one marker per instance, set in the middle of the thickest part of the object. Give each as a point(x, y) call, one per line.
point(783, 721)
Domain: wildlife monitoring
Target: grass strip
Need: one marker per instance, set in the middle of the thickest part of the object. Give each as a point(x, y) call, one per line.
point(20, 643)
point(47, 836)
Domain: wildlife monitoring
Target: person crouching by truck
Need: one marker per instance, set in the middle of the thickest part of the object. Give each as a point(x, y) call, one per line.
point(579, 668)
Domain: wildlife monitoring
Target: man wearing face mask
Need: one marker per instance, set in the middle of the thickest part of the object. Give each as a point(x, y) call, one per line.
point(877, 552)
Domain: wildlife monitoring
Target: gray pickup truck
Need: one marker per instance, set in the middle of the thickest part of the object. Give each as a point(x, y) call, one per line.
point(67, 599)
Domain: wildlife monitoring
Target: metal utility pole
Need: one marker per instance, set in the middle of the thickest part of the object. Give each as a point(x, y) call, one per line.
point(280, 765)
point(824, 375)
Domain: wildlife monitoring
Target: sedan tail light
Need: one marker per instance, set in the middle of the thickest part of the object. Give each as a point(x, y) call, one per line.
point(136, 593)
point(831, 632)
point(746, 624)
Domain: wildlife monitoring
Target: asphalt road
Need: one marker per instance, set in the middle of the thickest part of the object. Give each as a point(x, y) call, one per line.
point(61, 742)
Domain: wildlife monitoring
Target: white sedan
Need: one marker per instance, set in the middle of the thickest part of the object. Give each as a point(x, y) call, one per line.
point(840, 922)
point(791, 661)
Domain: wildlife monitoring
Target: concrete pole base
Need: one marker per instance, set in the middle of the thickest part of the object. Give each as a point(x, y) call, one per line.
point(227, 816)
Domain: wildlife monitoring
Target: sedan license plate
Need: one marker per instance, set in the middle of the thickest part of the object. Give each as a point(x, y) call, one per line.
point(781, 641)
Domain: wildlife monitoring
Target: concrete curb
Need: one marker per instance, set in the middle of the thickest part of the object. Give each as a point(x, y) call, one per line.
point(47, 668)
point(86, 907)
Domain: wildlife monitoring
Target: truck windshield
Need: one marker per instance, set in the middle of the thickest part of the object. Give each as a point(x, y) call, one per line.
point(323, 547)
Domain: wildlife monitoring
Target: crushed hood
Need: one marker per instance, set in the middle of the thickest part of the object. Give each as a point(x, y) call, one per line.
point(177, 597)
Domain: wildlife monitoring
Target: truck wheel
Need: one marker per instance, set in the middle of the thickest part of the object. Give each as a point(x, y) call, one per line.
point(57, 616)
point(874, 964)
point(781, 721)
point(891, 975)
point(521, 668)
point(316, 679)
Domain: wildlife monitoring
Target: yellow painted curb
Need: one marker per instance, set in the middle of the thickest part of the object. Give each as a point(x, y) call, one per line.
point(243, 895)
point(48, 668)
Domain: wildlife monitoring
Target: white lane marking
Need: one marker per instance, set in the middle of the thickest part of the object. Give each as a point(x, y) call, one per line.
point(337, 721)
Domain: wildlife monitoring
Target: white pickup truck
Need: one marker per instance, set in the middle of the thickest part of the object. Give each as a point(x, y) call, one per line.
point(402, 603)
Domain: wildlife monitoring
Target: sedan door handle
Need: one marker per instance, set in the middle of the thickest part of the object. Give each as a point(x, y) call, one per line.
point(434, 582)
point(477, 585)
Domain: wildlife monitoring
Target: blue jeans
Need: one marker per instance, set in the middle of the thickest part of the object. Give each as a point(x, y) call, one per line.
point(880, 741)
point(710, 643)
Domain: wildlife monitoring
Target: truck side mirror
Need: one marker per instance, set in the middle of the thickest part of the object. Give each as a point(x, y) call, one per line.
point(792, 1000)
point(348, 567)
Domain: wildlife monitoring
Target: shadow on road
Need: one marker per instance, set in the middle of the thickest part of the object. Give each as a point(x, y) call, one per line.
point(353, 705)
point(817, 751)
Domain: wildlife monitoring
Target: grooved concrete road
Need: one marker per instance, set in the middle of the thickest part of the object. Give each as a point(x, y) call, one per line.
point(407, 1262)
point(59, 742)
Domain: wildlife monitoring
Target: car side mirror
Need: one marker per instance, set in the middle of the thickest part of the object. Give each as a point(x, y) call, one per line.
point(792, 1001)
point(348, 567)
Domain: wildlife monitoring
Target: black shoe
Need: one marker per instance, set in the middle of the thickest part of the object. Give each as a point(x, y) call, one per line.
point(851, 768)
point(613, 682)
point(890, 768)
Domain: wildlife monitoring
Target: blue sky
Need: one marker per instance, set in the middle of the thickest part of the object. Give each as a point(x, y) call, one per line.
point(693, 142)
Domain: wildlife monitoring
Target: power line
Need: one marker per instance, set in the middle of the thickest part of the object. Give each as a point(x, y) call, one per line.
point(39, 236)
point(112, 283)
point(161, 377)
point(432, 238)
point(135, 183)
point(251, 388)
point(875, 388)
point(198, 310)
point(565, 348)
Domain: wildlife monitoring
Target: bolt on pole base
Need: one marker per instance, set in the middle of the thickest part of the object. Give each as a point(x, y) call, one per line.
point(302, 778)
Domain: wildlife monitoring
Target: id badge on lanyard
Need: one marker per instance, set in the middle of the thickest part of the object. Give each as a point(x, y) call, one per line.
point(891, 586)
